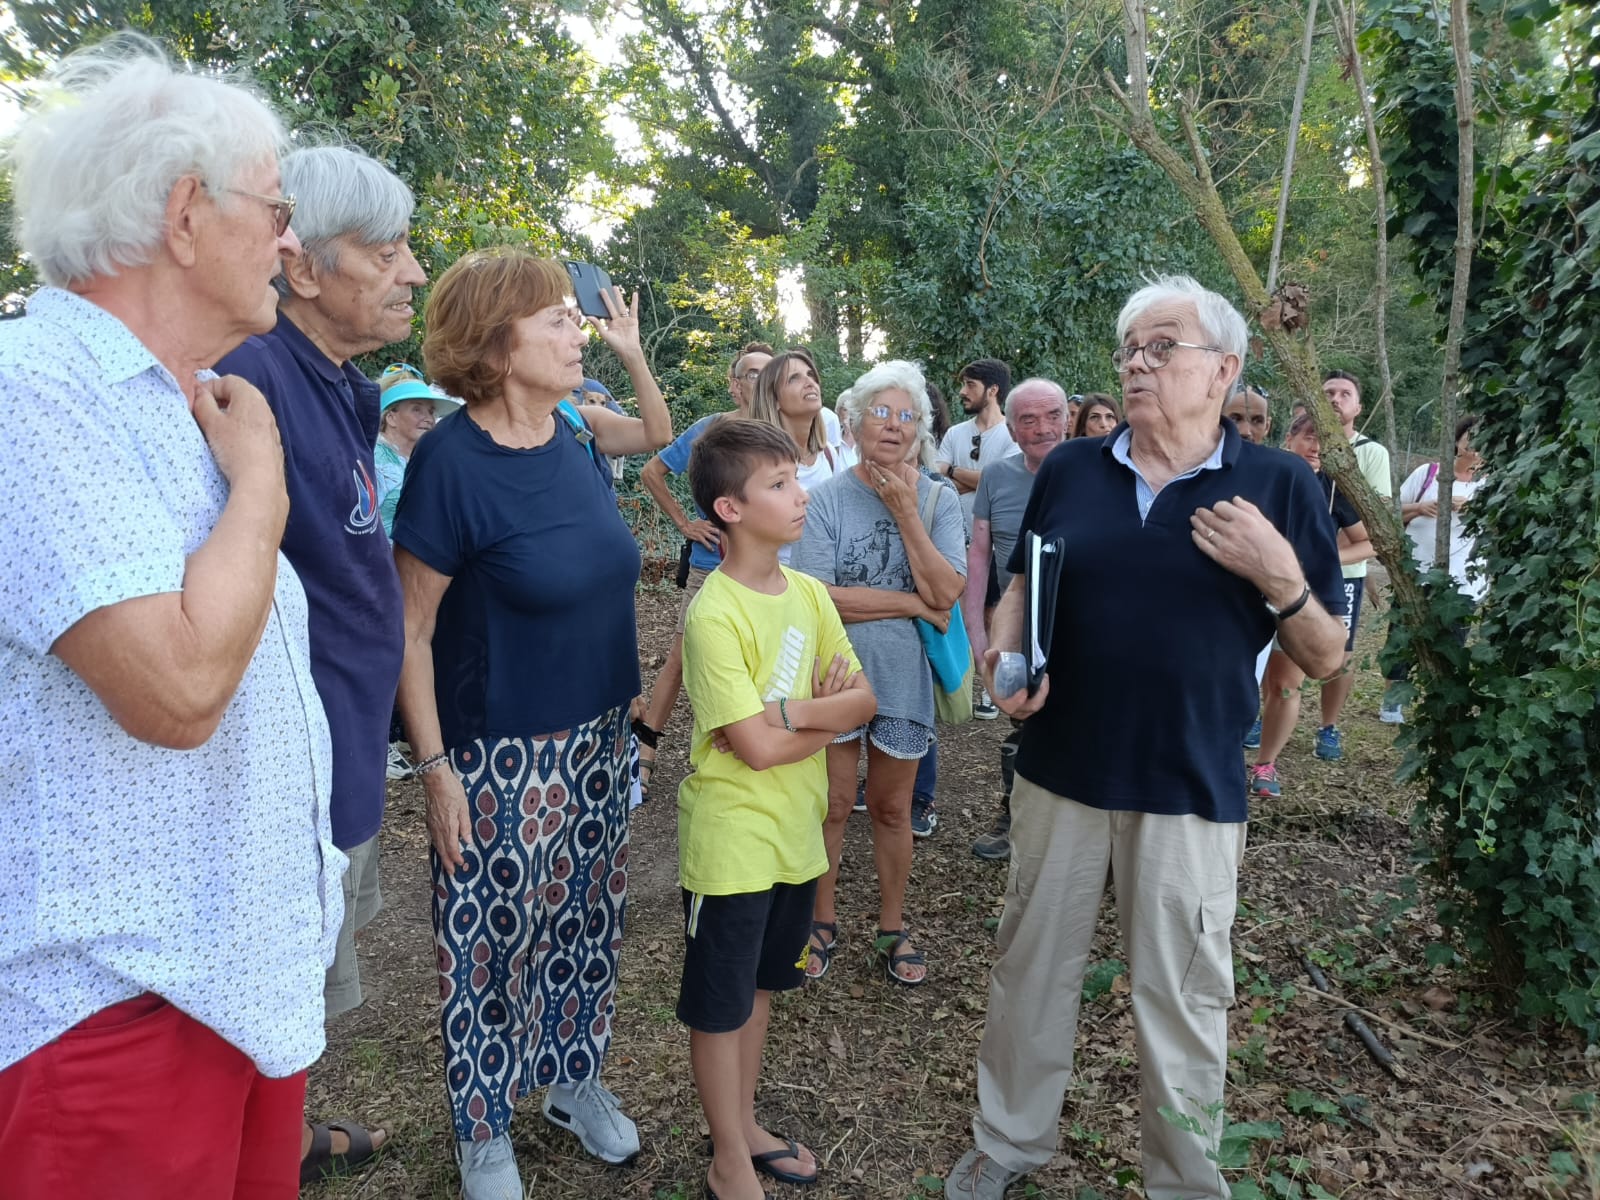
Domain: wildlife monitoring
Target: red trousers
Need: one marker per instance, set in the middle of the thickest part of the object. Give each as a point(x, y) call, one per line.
point(142, 1102)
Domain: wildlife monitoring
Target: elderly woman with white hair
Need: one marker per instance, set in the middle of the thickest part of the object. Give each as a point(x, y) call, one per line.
point(885, 567)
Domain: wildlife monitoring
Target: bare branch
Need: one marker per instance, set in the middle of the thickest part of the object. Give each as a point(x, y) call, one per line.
point(1294, 140)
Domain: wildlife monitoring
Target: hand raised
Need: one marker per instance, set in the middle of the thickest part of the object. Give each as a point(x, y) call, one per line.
point(619, 329)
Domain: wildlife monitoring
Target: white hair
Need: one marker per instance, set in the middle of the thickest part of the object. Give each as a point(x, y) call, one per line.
point(896, 373)
point(112, 130)
point(1220, 323)
point(342, 192)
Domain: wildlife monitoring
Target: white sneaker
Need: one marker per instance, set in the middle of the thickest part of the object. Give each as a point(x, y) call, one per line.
point(489, 1170)
point(1392, 714)
point(399, 766)
point(595, 1115)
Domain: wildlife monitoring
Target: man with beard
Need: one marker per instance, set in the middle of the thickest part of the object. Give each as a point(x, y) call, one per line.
point(347, 292)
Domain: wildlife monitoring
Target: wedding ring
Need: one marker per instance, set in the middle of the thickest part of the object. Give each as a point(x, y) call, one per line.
point(1210, 533)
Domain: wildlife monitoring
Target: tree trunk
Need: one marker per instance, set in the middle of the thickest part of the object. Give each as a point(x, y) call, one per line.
point(1344, 18)
point(1294, 140)
point(1465, 187)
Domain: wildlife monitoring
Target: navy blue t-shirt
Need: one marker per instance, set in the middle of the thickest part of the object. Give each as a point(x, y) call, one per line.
point(536, 632)
point(1152, 662)
point(328, 421)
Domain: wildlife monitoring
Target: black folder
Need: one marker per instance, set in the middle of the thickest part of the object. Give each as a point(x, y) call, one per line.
point(1041, 576)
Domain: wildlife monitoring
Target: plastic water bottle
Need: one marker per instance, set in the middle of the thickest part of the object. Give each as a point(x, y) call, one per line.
point(1010, 674)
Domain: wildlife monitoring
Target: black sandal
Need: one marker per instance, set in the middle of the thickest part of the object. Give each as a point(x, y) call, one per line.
point(321, 1162)
point(888, 943)
point(647, 766)
point(829, 932)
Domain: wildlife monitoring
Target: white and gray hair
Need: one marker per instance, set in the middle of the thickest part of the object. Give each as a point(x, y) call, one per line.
point(1219, 321)
point(113, 129)
point(896, 373)
point(342, 192)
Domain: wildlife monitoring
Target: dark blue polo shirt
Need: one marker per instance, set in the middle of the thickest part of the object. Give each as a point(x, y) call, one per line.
point(328, 421)
point(536, 632)
point(1152, 663)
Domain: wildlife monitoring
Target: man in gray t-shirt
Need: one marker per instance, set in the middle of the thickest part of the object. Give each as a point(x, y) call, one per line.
point(851, 540)
point(1036, 415)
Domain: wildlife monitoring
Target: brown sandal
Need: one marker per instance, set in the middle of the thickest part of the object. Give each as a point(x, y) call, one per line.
point(321, 1162)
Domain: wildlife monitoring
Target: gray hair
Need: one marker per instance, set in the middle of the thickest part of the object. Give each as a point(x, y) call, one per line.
point(112, 131)
point(1220, 322)
point(896, 373)
point(342, 192)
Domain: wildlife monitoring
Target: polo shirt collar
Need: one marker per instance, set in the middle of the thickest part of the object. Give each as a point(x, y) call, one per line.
point(1116, 445)
point(307, 351)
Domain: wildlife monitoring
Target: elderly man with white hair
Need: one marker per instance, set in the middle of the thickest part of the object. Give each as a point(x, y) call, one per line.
point(1036, 415)
point(885, 565)
point(169, 889)
point(1201, 548)
point(347, 291)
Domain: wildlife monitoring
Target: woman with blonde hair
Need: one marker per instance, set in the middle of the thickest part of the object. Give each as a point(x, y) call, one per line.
point(788, 394)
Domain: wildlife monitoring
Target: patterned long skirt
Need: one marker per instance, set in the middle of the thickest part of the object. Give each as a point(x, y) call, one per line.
point(528, 931)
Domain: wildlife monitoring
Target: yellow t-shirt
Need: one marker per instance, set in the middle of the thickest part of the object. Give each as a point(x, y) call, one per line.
point(741, 830)
point(1373, 459)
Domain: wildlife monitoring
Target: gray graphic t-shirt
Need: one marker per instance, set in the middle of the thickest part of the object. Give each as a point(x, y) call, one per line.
point(851, 540)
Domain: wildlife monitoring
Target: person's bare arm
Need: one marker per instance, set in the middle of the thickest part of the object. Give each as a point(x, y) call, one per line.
point(1005, 635)
point(1236, 536)
point(761, 744)
point(978, 551)
point(857, 604)
point(167, 666)
point(448, 819)
point(615, 433)
point(965, 479)
point(654, 477)
point(1354, 544)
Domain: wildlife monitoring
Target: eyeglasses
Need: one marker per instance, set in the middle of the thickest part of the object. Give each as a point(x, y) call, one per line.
point(977, 445)
point(883, 412)
point(282, 207)
point(749, 376)
point(1157, 353)
point(1075, 398)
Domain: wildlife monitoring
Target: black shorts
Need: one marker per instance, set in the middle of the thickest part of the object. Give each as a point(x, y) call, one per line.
point(1353, 591)
point(992, 595)
point(735, 945)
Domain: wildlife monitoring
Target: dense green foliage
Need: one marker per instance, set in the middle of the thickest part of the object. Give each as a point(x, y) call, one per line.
point(1509, 738)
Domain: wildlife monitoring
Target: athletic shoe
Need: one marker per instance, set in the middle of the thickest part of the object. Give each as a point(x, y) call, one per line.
point(1252, 740)
point(979, 1177)
point(1264, 781)
point(861, 796)
point(594, 1114)
point(1392, 714)
point(924, 820)
point(1330, 745)
point(489, 1170)
point(985, 709)
point(996, 844)
point(399, 767)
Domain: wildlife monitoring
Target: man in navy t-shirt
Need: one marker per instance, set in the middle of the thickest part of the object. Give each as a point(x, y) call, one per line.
point(347, 293)
point(1183, 550)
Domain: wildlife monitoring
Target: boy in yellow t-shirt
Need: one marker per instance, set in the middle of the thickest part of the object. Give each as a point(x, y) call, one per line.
point(773, 680)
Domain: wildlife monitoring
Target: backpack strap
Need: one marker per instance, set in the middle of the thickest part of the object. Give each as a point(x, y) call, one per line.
point(833, 468)
point(580, 427)
point(930, 505)
point(1427, 480)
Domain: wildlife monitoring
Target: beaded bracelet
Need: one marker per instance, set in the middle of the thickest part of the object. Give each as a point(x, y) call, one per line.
point(783, 711)
point(429, 763)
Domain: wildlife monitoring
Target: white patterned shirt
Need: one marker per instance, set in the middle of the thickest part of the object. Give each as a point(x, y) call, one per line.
point(206, 876)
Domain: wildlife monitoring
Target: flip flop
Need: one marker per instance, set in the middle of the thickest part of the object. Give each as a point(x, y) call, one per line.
point(321, 1162)
point(828, 931)
point(790, 1149)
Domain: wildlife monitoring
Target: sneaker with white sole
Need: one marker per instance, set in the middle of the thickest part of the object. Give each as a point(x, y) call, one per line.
point(1392, 714)
point(979, 1177)
point(985, 709)
point(924, 818)
point(399, 766)
point(595, 1115)
point(1252, 739)
point(489, 1170)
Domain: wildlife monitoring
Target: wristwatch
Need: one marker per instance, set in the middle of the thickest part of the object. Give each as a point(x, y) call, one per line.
point(1289, 610)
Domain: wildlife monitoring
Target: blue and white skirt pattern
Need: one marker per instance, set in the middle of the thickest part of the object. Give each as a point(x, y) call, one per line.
point(527, 933)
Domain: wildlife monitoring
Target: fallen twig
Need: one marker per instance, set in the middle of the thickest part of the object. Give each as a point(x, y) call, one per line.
point(1403, 1030)
point(1379, 1052)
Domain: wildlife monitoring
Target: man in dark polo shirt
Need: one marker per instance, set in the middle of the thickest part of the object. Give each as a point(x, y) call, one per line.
point(1199, 548)
point(347, 292)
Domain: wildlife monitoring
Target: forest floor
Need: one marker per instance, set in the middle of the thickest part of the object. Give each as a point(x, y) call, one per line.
point(879, 1080)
